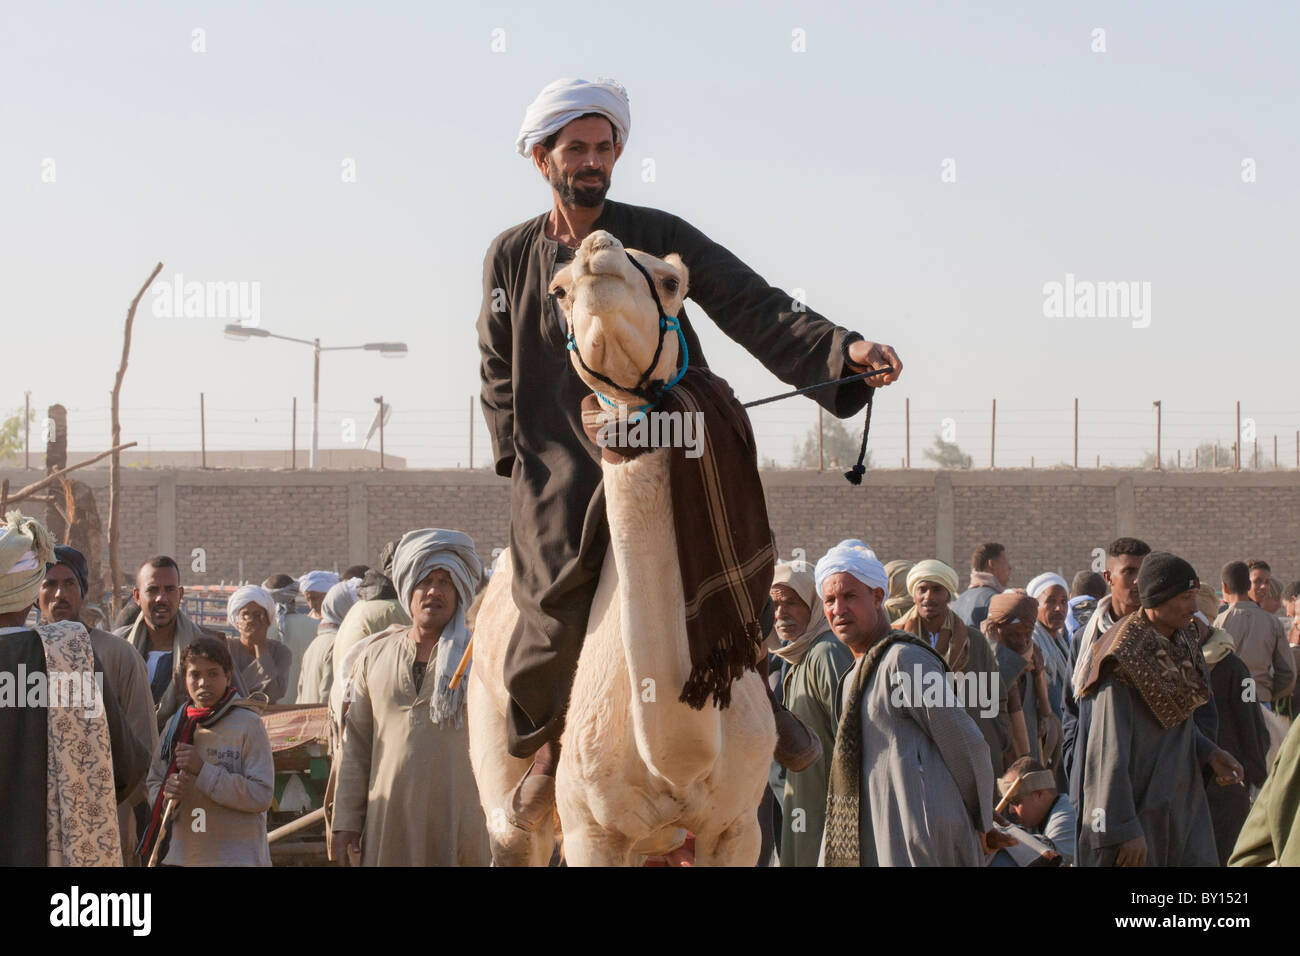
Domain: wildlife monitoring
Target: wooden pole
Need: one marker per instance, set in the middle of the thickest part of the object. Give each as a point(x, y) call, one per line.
point(302, 823)
point(381, 433)
point(1198, 458)
point(1275, 450)
point(162, 828)
point(907, 431)
point(1076, 434)
point(1216, 454)
point(203, 432)
point(1254, 454)
point(293, 436)
point(1099, 461)
point(115, 462)
point(471, 430)
point(54, 476)
point(1236, 445)
point(1180, 459)
point(993, 432)
point(821, 456)
point(1159, 462)
point(27, 431)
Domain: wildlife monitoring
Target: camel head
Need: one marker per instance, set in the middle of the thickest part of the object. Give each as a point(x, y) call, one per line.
point(607, 303)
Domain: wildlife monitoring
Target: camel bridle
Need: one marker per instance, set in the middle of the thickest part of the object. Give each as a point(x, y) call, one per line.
point(651, 390)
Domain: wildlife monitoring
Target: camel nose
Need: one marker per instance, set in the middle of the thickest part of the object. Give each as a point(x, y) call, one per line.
point(600, 240)
point(599, 254)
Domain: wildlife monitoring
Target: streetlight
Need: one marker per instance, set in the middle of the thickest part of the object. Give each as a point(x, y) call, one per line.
point(242, 333)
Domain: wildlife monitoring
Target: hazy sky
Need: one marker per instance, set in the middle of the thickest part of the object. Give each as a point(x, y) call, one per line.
point(824, 169)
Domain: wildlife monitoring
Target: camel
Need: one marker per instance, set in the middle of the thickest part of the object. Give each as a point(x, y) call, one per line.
point(638, 768)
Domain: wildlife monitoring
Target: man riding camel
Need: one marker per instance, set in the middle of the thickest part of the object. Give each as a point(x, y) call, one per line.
point(574, 132)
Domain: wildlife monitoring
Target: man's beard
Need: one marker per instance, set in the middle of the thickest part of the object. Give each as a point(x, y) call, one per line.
point(572, 193)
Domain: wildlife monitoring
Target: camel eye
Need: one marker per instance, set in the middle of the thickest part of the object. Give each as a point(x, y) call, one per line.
point(559, 292)
point(670, 284)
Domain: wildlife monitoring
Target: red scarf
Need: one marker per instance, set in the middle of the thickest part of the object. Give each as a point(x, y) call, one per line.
point(180, 730)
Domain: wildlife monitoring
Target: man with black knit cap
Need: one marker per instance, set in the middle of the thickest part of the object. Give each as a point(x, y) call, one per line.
point(1138, 787)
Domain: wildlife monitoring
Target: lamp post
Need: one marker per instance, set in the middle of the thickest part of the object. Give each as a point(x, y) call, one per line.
point(242, 333)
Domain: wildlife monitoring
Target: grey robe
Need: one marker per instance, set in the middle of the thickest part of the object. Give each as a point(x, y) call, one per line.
point(405, 783)
point(927, 780)
point(267, 674)
point(1144, 780)
point(531, 400)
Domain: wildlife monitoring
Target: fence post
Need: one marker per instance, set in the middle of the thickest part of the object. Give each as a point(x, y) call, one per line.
point(203, 433)
point(1076, 434)
point(993, 431)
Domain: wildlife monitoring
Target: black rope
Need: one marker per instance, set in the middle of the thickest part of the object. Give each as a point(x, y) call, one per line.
point(847, 380)
point(854, 474)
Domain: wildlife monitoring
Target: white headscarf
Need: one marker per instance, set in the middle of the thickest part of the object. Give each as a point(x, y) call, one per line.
point(338, 600)
point(417, 554)
point(25, 549)
point(861, 562)
point(798, 576)
point(563, 101)
point(250, 594)
point(1043, 583)
point(319, 581)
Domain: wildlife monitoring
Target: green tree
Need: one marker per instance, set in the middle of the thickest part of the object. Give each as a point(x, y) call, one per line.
point(839, 446)
point(11, 434)
point(946, 454)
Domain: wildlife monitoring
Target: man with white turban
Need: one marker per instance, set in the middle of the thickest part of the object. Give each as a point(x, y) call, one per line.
point(932, 586)
point(573, 133)
point(911, 783)
point(261, 665)
point(313, 586)
point(1052, 593)
point(814, 663)
point(67, 753)
point(316, 676)
point(406, 792)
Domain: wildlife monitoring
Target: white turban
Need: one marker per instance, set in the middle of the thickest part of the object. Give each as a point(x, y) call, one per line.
point(320, 581)
point(250, 594)
point(563, 101)
point(859, 562)
point(1043, 583)
point(25, 549)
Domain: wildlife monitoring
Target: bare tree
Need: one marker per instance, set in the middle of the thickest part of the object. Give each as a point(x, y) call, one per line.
point(115, 463)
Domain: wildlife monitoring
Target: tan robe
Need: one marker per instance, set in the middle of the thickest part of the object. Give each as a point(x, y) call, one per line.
point(404, 782)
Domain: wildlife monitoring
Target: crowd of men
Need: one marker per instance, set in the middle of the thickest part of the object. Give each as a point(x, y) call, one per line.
point(1121, 718)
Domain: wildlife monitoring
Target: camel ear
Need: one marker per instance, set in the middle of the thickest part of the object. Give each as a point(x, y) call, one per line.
point(674, 260)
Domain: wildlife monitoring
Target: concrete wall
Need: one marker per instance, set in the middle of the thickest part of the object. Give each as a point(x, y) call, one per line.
point(264, 522)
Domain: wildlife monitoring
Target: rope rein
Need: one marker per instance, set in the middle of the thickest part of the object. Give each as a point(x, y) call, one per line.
point(652, 390)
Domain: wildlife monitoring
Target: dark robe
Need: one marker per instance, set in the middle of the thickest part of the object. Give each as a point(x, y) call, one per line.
point(531, 399)
point(1242, 733)
point(1133, 777)
point(24, 755)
